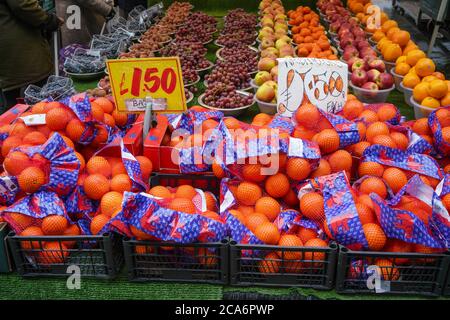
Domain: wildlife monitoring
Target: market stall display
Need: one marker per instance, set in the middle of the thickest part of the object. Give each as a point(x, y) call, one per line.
point(319, 199)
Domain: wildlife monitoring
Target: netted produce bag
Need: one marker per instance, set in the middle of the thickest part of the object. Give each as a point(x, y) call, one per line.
point(439, 122)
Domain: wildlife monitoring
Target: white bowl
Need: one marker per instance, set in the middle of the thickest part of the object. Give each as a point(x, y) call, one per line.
point(254, 85)
point(398, 79)
point(369, 96)
point(265, 107)
point(190, 98)
point(419, 110)
point(407, 93)
point(187, 85)
point(226, 112)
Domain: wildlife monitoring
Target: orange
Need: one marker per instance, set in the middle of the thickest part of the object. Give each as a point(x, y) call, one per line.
point(72, 230)
point(328, 141)
point(262, 118)
point(290, 240)
point(352, 109)
point(15, 162)
point(307, 115)
point(291, 199)
point(401, 59)
point(75, 129)
point(97, 112)
point(392, 52)
point(140, 235)
point(370, 169)
point(218, 171)
point(121, 183)
point(146, 166)
point(32, 231)
point(306, 234)
point(384, 140)
point(20, 130)
point(386, 112)
point(401, 37)
point(268, 233)
point(365, 199)
point(360, 147)
point(121, 118)
point(387, 269)
point(421, 127)
point(277, 186)
point(378, 35)
point(446, 134)
point(211, 202)
point(255, 219)
point(248, 193)
point(232, 123)
point(323, 169)
point(298, 169)
point(81, 160)
point(252, 173)
point(117, 167)
point(38, 108)
point(315, 256)
point(312, 206)
point(375, 185)
point(443, 116)
point(391, 32)
point(186, 192)
point(21, 221)
point(361, 130)
point(109, 120)
point(369, 116)
point(395, 178)
point(57, 119)
point(95, 186)
point(98, 223)
point(10, 143)
point(160, 192)
point(111, 203)
point(101, 136)
point(238, 215)
point(99, 165)
point(376, 129)
point(425, 67)
point(400, 140)
point(365, 213)
point(340, 160)
point(375, 236)
point(34, 138)
point(211, 215)
point(446, 201)
point(428, 79)
point(269, 207)
point(388, 25)
point(413, 56)
point(54, 253)
point(438, 89)
point(270, 264)
point(246, 210)
point(411, 80)
point(31, 179)
point(445, 101)
point(394, 245)
point(182, 205)
point(402, 68)
point(54, 225)
point(105, 103)
point(431, 103)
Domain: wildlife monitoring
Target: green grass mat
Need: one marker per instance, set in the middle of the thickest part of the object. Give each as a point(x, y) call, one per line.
point(13, 287)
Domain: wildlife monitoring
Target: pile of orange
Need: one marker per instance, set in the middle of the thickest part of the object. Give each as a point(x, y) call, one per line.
point(309, 35)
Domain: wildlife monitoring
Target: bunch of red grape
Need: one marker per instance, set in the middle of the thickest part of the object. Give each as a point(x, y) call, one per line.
point(193, 33)
point(230, 74)
point(223, 96)
point(207, 22)
point(241, 54)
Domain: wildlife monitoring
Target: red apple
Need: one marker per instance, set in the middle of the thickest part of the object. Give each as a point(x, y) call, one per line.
point(359, 77)
point(373, 75)
point(349, 52)
point(377, 64)
point(359, 64)
point(385, 81)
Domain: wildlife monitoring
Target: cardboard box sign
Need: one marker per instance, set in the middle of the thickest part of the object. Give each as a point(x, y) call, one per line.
point(133, 139)
point(323, 82)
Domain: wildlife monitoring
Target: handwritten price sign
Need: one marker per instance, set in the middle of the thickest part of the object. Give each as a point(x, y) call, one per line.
point(322, 82)
point(134, 82)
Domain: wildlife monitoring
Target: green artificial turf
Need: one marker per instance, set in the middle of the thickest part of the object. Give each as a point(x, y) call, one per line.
point(13, 287)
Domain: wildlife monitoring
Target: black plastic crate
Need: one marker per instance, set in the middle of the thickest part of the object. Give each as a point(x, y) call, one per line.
point(446, 290)
point(305, 267)
point(399, 273)
point(204, 182)
point(162, 261)
point(96, 256)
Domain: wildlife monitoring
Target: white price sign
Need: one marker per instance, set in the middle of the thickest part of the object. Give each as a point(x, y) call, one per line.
point(323, 82)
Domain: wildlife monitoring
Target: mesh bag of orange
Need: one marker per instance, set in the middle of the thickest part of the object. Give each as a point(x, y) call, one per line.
point(330, 131)
point(439, 122)
point(111, 172)
point(396, 167)
point(145, 217)
point(415, 216)
point(52, 166)
point(355, 110)
point(443, 190)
